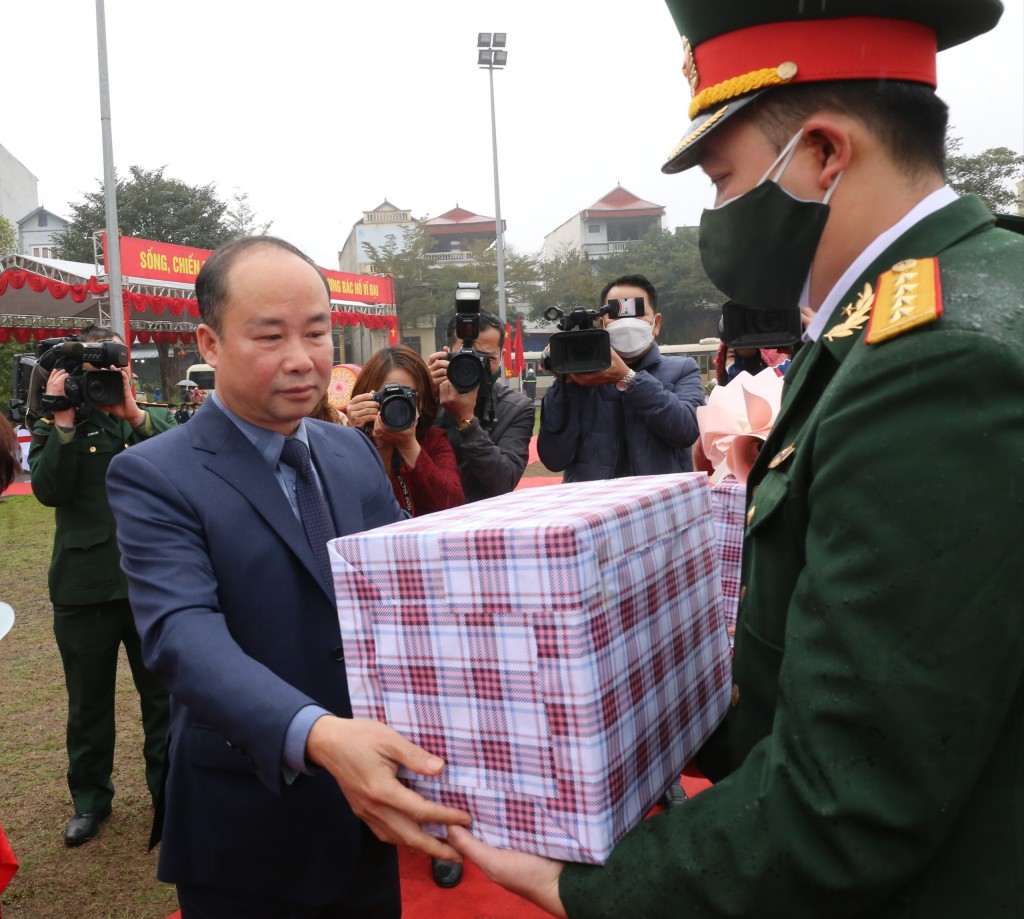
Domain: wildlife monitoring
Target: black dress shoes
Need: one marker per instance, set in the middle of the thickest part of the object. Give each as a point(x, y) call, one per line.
point(446, 874)
point(81, 828)
point(674, 797)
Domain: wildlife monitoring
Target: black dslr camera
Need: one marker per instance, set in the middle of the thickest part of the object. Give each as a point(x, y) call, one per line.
point(399, 406)
point(746, 327)
point(467, 368)
point(83, 387)
point(577, 347)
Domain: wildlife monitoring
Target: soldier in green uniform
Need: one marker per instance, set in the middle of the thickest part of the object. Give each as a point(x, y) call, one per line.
point(68, 459)
point(872, 763)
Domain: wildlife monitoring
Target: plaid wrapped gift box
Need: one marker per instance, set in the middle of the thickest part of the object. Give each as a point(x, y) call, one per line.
point(728, 509)
point(563, 649)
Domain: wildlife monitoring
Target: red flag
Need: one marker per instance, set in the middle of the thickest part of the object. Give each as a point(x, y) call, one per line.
point(506, 351)
point(520, 361)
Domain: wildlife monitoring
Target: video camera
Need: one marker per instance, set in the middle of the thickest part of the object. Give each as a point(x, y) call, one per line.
point(579, 347)
point(467, 368)
point(746, 327)
point(399, 406)
point(81, 389)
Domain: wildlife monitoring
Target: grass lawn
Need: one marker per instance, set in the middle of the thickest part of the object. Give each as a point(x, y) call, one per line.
point(113, 876)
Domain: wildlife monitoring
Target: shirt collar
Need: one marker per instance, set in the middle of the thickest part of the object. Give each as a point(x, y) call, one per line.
point(937, 200)
point(268, 444)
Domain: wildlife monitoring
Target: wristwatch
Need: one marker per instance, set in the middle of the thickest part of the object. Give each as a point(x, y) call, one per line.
point(464, 423)
point(623, 384)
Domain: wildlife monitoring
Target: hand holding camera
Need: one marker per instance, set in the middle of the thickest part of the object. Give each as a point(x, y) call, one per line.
point(69, 375)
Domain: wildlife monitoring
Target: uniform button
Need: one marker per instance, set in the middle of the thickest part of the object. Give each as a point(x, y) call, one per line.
point(338, 654)
point(92, 449)
point(750, 513)
point(743, 592)
point(126, 446)
point(735, 699)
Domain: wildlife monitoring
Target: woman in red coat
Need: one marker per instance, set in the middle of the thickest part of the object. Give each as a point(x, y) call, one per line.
point(418, 458)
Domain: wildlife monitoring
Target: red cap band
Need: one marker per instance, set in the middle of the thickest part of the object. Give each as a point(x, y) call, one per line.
point(856, 48)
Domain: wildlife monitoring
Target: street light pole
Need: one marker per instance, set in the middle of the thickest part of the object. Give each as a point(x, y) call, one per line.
point(491, 55)
point(113, 247)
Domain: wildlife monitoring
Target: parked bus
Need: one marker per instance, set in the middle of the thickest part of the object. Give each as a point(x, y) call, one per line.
point(202, 375)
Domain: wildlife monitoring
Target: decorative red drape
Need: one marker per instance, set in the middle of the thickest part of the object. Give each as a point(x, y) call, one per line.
point(17, 279)
point(140, 303)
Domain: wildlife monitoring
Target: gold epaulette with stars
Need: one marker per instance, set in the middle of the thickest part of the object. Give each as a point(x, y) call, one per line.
point(909, 295)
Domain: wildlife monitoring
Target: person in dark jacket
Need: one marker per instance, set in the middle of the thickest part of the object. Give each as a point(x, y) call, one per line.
point(490, 426)
point(70, 452)
point(638, 417)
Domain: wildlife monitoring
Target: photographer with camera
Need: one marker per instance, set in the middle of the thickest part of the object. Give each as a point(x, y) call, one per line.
point(79, 428)
point(393, 402)
point(488, 425)
point(637, 416)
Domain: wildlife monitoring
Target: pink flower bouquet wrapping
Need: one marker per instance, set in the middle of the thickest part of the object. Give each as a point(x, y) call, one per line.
point(736, 421)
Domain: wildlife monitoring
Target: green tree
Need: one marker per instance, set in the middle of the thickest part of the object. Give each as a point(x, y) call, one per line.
point(425, 287)
point(150, 206)
point(567, 281)
point(8, 350)
point(989, 175)
point(689, 303)
point(240, 219)
point(8, 238)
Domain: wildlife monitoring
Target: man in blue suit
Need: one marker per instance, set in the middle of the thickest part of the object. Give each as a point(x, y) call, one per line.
point(277, 802)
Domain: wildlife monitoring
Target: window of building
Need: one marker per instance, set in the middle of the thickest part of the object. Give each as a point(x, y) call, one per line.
point(42, 218)
point(594, 228)
point(42, 252)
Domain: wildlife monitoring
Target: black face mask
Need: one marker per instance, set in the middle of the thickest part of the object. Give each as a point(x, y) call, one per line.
point(758, 247)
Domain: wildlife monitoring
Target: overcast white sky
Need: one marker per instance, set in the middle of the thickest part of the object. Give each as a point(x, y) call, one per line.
point(320, 109)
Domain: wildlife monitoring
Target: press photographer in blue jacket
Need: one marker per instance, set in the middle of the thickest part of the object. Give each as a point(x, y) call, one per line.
point(638, 417)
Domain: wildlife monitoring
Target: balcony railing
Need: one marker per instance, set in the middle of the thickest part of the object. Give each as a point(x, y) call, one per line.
point(453, 256)
point(608, 248)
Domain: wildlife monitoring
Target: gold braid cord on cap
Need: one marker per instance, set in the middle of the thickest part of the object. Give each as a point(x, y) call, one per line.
point(741, 85)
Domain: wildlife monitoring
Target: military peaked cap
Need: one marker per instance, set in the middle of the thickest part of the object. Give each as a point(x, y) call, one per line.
point(735, 49)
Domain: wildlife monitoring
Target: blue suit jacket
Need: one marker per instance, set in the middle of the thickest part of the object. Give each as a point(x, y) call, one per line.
point(241, 626)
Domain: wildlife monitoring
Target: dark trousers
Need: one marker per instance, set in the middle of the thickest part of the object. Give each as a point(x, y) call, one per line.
point(373, 895)
point(89, 638)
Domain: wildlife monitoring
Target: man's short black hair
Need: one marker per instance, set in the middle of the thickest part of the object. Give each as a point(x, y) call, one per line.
point(908, 119)
point(212, 284)
point(487, 321)
point(96, 332)
point(633, 280)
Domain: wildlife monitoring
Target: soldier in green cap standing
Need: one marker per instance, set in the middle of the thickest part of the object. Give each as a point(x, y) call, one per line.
point(872, 763)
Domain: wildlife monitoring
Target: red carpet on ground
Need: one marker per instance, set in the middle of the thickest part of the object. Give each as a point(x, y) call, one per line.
point(476, 897)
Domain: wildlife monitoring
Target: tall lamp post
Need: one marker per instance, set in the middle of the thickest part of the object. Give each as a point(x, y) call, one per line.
point(113, 247)
point(491, 56)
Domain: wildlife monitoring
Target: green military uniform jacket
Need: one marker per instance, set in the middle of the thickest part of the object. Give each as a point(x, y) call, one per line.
point(69, 473)
point(873, 762)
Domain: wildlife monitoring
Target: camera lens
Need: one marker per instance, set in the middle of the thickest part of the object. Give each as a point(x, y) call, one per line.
point(103, 387)
point(398, 412)
point(766, 321)
point(466, 371)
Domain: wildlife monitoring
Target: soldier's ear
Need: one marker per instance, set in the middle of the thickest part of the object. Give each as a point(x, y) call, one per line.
point(830, 140)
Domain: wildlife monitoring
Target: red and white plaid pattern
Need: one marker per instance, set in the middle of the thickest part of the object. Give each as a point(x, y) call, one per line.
point(728, 510)
point(563, 649)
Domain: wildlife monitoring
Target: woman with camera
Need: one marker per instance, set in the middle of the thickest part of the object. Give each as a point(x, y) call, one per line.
point(393, 402)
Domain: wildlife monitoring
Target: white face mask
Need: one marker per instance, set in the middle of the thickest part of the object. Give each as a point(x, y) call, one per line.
point(631, 337)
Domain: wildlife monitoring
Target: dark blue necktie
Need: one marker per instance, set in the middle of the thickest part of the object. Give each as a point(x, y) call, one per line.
point(313, 509)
